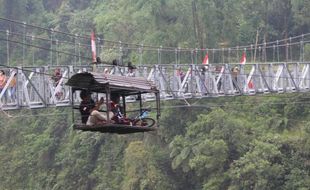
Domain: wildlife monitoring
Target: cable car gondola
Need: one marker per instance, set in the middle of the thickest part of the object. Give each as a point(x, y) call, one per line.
point(106, 84)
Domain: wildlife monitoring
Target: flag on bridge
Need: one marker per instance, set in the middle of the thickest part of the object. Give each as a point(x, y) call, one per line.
point(243, 58)
point(206, 60)
point(242, 62)
point(93, 46)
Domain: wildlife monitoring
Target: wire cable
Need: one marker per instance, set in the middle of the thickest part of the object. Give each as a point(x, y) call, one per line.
point(152, 46)
point(47, 49)
point(38, 115)
point(222, 105)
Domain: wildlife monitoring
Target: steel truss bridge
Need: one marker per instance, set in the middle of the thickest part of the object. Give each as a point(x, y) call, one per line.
point(35, 87)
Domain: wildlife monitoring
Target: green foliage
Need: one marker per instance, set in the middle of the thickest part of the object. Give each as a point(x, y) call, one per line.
point(257, 167)
point(307, 51)
point(229, 143)
point(141, 170)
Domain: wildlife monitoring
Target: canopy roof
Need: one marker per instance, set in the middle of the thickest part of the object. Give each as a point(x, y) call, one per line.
point(99, 82)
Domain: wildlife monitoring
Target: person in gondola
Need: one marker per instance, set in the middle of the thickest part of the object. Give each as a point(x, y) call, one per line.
point(86, 105)
point(116, 109)
point(89, 110)
point(96, 117)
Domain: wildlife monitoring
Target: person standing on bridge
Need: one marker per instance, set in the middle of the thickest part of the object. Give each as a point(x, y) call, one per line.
point(203, 79)
point(180, 74)
point(56, 79)
point(235, 73)
point(131, 70)
point(12, 88)
point(56, 76)
point(2, 82)
point(218, 71)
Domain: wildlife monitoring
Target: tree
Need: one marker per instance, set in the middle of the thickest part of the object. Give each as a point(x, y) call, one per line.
point(260, 168)
point(142, 171)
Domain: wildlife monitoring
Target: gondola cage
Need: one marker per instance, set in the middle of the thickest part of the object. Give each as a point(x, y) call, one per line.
point(106, 84)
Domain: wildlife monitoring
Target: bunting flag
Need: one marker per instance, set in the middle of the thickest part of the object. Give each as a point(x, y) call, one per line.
point(93, 46)
point(206, 60)
point(243, 58)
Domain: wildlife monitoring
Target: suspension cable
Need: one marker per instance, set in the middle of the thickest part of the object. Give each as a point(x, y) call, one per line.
point(150, 46)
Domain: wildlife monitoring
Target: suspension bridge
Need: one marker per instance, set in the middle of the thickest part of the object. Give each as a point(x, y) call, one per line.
point(280, 66)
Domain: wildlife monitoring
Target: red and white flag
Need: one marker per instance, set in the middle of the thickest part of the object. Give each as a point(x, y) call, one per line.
point(242, 62)
point(206, 60)
point(243, 58)
point(93, 46)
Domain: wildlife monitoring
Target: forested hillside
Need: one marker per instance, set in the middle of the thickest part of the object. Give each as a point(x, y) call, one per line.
point(259, 142)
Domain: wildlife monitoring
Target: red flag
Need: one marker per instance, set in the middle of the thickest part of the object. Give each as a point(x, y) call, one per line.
point(93, 46)
point(243, 58)
point(206, 60)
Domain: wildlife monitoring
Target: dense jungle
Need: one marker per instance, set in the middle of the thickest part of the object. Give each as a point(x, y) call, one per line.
point(245, 142)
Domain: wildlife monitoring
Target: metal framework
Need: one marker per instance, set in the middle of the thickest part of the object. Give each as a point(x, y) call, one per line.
point(35, 87)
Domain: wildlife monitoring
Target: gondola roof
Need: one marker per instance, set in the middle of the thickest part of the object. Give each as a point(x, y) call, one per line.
point(100, 82)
